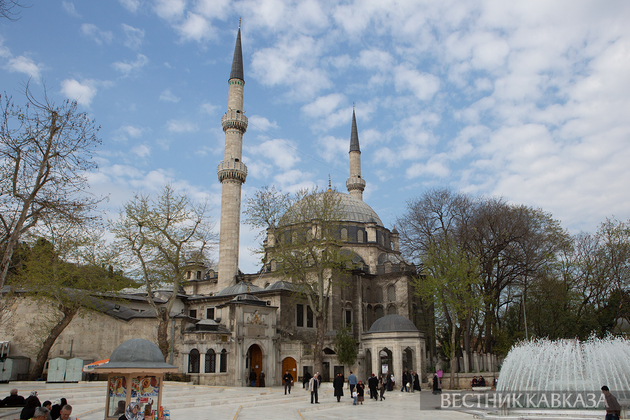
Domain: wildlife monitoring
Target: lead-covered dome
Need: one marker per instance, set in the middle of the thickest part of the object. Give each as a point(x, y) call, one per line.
point(352, 209)
point(137, 353)
point(392, 323)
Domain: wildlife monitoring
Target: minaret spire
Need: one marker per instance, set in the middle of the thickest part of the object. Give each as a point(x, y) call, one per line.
point(355, 184)
point(232, 172)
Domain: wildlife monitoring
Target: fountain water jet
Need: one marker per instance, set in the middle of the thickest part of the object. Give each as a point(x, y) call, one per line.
point(567, 365)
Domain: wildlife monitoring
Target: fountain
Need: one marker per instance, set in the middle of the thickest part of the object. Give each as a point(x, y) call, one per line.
point(567, 365)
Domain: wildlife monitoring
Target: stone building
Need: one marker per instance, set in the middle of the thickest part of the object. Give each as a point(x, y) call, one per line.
point(227, 323)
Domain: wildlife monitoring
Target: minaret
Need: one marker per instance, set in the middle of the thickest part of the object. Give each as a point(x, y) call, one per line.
point(232, 172)
point(355, 183)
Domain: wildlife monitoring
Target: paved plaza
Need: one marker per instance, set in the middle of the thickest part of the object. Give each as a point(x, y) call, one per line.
point(187, 402)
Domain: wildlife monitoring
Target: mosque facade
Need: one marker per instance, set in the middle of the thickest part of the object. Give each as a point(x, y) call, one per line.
point(227, 323)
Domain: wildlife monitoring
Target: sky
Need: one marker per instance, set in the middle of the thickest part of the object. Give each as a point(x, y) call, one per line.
point(526, 100)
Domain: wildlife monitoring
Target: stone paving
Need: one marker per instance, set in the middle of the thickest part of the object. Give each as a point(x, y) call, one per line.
point(187, 402)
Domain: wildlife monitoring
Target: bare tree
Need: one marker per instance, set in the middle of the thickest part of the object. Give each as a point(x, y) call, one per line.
point(7, 9)
point(45, 153)
point(304, 246)
point(157, 237)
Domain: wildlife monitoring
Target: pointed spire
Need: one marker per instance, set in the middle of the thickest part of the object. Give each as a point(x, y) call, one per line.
point(237, 61)
point(329, 184)
point(354, 135)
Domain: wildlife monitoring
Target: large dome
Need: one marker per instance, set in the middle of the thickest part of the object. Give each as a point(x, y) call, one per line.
point(353, 209)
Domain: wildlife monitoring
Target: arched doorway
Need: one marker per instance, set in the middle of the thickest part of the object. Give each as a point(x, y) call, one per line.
point(289, 364)
point(387, 361)
point(254, 361)
point(407, 359)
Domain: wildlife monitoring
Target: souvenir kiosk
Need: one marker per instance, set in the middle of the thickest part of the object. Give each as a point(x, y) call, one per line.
point(135, 372)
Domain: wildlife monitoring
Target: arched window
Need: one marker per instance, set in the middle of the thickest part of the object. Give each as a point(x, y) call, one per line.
point(198, 275)
point(223, 362)
point(391, 293)
point(193, 361)
point(378, 295)
point(378, 312)
point(344, 234)
point(188, 275)
point(391, 310)
point(360, 236)
point(211, 361)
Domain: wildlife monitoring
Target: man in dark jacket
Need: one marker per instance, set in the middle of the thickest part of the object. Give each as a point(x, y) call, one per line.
point(252, 378)
point(373, 385)
point(338, 386)
point(13, 400)
point(287, 378)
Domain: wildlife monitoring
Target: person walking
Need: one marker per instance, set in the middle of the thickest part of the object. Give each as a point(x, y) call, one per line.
point(404, 382)
point(416, 382)
point(373, 385)
point(252, 378)
point(613, 409)
point(360, 392)
point(305, 380)
point(338, 386)
point(313, 385)
point(287, 378)
point(437, 385)
point(381, 386)
point(261, 379)
point(352, 381)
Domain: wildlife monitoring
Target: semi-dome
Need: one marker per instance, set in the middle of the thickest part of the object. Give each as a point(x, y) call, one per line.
point(352, 209)
point(392, 323)
point(137, 353)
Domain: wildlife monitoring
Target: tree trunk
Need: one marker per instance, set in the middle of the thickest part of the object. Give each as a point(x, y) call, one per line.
point(453, 352)
point(162, 333)
point(319, 343)
point(42, 356)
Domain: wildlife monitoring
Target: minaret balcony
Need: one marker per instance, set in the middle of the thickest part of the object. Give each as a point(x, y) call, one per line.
point(231, 169)
point(234, 119)
point(355, 183)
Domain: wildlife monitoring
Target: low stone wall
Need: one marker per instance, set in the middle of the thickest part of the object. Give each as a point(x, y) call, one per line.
point(463, 380)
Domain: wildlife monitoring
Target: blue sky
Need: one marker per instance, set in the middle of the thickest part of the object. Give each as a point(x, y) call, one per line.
point(526, 100)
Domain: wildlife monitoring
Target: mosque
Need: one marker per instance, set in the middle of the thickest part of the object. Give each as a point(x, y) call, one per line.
point(227, 323)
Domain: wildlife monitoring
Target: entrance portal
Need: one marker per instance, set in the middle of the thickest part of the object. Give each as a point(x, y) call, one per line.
point(290, 365)
point(254, 361)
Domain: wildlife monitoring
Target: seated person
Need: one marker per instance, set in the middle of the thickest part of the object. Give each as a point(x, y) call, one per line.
point(474, 382)
point(482, 382)
point(13, 400)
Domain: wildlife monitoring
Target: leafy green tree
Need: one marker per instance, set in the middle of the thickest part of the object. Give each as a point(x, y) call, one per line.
point(451, 280)
point(65, 269)
point(346, 346)
point(156, 238)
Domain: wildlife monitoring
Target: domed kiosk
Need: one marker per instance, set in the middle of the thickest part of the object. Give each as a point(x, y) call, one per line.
point(393, 344)
point(135, 373)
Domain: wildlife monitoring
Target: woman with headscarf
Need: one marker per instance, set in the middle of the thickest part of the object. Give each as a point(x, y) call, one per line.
point(133, 412)
point(30, 404)
point(55, 411)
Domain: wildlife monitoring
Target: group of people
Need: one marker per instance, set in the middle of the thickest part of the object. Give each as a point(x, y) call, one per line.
point(34, 409)
point(477, 382)
point(253, 377)
point(376, 386)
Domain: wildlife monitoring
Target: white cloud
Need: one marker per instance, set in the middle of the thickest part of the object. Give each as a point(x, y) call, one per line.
point(128, 67)
point(82, 92)
point(422, 85)
point(208, 108)
point(181, 126)
point(333, 149)
point(141, 150)
point(100, 37)
point(131, 5)
point(324, 105)
point(68, 6)
point(170, 9)
point(196, 28)
point(133, 36)
point(132, 131)
point(25, 65)
point(168, 96)
point(257, 122)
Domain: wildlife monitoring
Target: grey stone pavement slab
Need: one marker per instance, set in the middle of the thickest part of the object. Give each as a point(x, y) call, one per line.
point(187, 401)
